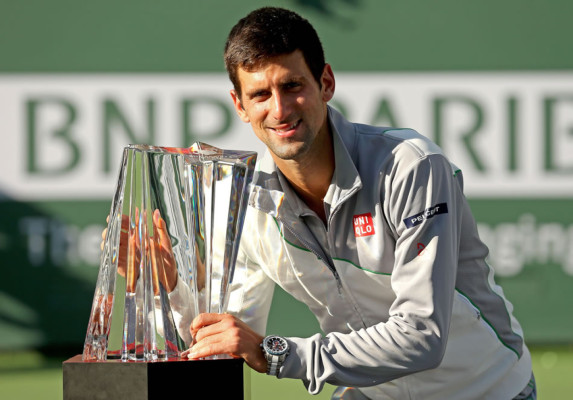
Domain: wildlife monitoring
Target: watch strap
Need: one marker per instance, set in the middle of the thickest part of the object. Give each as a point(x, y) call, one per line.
point(274, 364)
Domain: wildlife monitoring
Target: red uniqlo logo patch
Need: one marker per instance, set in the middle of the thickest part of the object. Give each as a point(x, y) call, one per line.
point(363, 225)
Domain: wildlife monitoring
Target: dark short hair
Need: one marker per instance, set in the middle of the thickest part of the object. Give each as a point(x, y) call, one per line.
point(270, 32)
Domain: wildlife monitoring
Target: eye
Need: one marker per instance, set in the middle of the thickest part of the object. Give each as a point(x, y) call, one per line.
point(292, 85)
point(259, 95)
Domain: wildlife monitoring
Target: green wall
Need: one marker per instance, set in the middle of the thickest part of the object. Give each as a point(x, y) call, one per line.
point(358, 35)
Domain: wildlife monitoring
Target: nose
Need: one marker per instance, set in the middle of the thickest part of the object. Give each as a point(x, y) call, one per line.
point(280, 106)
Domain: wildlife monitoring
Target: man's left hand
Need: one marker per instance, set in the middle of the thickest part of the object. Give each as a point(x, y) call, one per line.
point(225, 334)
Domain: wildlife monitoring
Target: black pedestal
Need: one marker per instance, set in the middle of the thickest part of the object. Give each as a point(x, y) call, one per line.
point(110, 380)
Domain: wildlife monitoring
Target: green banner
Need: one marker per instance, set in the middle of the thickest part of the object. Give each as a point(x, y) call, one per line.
point(50, 253)
point(531, 249)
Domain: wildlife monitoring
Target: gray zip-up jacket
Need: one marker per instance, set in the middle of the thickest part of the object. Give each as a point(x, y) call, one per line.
point(397, 278)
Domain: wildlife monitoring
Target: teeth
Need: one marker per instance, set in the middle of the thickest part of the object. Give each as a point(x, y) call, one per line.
point(287, 129)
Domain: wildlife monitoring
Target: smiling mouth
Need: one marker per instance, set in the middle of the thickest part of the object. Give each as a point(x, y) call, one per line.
point(286, 130)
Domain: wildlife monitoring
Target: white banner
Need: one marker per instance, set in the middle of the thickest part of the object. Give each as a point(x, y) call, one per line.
point(62, 135)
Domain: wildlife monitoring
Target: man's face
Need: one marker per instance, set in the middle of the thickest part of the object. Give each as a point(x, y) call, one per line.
point(285, 105)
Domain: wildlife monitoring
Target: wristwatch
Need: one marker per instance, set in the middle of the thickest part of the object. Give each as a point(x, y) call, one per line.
point(275, 349)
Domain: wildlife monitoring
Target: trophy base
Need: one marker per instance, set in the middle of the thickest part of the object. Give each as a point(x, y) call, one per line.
point(110, 380)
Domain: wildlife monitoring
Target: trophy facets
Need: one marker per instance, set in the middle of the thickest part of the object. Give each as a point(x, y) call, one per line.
point(170, 249)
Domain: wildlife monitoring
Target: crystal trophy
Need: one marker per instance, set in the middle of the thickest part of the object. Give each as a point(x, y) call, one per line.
point(169, 251)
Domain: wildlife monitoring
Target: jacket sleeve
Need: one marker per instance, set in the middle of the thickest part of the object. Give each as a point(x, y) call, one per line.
point(251, 296)
point(419, 203)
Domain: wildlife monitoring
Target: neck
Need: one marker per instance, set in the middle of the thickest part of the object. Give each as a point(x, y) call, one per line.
point(310, 177)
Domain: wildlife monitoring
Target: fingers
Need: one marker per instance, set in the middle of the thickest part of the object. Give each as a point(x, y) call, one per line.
point(158, 222)
point(129, 252)
point(205, 328)
point(213, 345)
point(161, 228)
point(205, 320)
point(215, 334)
point(225, 334)
point(164, 257)
point(124, 228)
point(103, 236)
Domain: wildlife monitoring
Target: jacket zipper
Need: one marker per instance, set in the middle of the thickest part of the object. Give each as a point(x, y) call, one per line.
point(348, 296)
point(309, 248)
point(339, 285)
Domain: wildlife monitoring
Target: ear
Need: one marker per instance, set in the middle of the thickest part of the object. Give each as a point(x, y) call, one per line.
point(328, 83)
point(240, 110)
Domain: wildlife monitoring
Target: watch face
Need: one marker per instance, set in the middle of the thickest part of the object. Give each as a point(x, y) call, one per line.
point(275, 345)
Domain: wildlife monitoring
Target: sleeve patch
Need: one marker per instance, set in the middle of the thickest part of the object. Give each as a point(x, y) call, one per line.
point(428, 213)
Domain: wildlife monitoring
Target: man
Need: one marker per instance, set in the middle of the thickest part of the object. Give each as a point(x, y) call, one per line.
point(369, 227)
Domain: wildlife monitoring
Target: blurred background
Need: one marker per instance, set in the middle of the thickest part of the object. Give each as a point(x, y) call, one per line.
point(490, 81)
